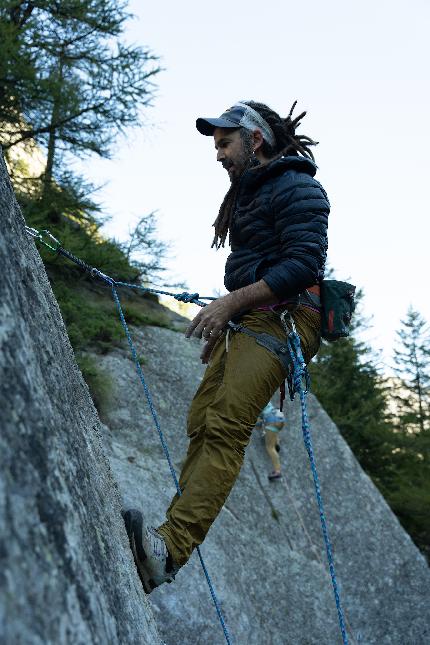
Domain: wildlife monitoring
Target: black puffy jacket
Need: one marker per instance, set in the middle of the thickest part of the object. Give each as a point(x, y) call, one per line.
point(279, 229)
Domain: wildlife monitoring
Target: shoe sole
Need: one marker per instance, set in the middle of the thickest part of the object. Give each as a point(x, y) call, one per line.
point(133, 521)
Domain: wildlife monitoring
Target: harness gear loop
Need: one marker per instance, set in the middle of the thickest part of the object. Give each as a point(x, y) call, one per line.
point(227, 339)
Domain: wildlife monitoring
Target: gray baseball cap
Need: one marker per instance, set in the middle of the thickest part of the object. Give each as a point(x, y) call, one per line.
point(240, 115)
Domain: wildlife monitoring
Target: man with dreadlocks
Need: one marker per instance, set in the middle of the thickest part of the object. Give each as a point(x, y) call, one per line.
point(275, 217)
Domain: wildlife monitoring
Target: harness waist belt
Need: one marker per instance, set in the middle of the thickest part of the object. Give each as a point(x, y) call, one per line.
point(308, 298)
point(275, 346)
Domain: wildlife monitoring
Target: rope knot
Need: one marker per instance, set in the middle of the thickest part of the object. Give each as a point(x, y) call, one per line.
point(186, 297)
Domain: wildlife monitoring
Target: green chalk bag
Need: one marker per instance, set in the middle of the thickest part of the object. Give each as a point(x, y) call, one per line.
point(337, 301)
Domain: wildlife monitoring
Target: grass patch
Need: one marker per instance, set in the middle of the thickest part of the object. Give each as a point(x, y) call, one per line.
point(89, 323)
point(91, 316)
point(140, 316)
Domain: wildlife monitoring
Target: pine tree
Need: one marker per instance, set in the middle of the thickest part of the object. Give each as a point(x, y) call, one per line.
point(410, 497)
point(412, 367)
point(68, 83)
point(347, 381)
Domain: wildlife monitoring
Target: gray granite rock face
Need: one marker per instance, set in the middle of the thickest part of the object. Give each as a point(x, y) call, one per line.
point(66, 572)
point(265, 551)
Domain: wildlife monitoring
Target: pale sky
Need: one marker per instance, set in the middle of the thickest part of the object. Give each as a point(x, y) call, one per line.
point(361, 70)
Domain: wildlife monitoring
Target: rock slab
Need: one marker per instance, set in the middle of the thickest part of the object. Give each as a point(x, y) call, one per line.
point(265, 551)
point(66, 572)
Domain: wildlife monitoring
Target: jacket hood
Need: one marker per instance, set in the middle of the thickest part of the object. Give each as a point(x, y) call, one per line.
point(292, 162)
point(302, 164)
point(277, 167)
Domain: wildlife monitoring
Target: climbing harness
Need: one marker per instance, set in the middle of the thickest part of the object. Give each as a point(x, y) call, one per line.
point(277, 347)
point(268, 341)
point(291, 357)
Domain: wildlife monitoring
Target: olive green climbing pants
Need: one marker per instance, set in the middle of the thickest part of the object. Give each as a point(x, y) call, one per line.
point(237, 385)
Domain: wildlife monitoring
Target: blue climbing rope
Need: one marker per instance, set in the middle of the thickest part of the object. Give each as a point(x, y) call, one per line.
point(193, 298)
point(48, 240)
point(300, 385)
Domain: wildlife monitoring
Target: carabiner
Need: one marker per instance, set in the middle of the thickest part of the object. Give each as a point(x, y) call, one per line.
point(289, 326)
point(52, 238)
point(39, 237)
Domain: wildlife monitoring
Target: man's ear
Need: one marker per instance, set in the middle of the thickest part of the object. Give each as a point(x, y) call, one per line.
point(257, 140)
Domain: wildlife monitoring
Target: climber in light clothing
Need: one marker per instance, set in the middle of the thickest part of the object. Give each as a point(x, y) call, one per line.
point(274, 216)
point(271, 421)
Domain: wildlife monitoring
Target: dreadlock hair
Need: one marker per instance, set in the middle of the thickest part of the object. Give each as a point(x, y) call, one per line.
point(287, 142)
point(284, 130)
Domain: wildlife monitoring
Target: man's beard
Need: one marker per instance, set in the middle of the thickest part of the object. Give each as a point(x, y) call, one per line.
point(242, 161)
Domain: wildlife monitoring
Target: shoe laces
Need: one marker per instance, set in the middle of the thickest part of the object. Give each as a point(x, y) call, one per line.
point(157, 544)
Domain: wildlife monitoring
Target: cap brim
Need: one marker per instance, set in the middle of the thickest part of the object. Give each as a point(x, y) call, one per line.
point(208, 126)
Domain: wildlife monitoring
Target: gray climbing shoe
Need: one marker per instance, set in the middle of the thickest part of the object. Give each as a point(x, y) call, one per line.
point(153, 561)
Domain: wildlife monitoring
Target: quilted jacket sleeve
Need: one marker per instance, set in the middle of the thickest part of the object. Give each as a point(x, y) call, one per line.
point(300, 207)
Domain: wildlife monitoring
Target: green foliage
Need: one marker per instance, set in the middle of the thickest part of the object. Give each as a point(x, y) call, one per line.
point(409, 493)
point(351, 391)
point(17, 65)
point(69, 86)
point(91, 318)
point(412, 367)
point(135, 316)
point(89, 324)
point(68, 74)
point(143, 248)
point(347, 382)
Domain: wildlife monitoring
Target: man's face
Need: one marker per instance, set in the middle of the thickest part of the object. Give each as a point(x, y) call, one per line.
point(232, 151)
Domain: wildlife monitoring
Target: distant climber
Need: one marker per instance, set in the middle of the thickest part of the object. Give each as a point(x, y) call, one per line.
point(275, 217)
point(271, 421)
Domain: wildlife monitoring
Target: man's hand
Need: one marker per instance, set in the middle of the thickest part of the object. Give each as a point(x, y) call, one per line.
point(212, 319)
point(210, 323)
